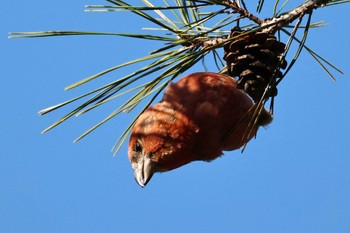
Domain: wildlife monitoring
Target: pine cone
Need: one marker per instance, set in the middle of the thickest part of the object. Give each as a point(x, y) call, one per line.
point(255, 59)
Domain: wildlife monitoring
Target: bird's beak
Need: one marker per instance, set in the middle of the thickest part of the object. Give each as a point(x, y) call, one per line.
point(143, 171)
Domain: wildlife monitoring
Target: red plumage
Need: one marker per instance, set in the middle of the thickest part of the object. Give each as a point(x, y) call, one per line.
point(199, 116)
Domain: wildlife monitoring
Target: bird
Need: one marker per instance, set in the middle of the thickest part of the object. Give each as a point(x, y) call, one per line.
point(199, 117)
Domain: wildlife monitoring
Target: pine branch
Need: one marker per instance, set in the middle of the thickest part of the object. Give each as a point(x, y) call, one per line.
point(187, 40)
point(276, 23)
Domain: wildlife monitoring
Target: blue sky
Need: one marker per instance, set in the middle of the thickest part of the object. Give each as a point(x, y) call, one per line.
point(293, 178)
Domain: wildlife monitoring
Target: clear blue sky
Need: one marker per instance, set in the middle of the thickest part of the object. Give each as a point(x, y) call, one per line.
point(293, 178)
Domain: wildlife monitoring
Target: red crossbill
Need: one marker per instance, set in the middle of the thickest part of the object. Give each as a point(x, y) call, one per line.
point(199, 117)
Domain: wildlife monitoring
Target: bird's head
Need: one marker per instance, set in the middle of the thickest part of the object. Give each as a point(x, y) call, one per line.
point(159, 142)
point(141, 162)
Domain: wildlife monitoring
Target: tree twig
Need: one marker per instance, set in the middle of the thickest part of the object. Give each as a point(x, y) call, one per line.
point(241, 11)
point(274, 24)
point(270, 25)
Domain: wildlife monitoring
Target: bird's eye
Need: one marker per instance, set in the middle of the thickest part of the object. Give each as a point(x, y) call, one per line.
point(138, 147)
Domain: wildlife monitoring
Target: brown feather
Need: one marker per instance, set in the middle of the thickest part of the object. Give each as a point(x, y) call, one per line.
point(199, 117)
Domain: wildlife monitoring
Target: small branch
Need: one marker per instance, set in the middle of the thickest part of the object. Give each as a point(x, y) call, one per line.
point(217, 41)
point(242, 11)
point(268, 25)
point(274, 24)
